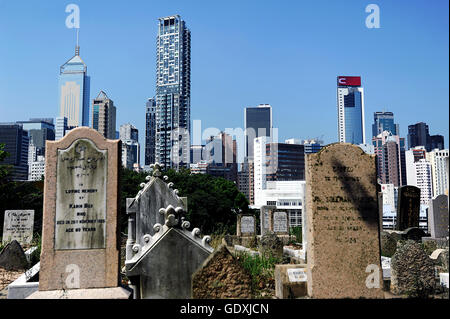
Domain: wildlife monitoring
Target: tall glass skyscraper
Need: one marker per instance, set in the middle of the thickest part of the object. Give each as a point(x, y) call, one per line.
point(350, 105)
point(384, 121)
point(74, 87)
point(173, 92)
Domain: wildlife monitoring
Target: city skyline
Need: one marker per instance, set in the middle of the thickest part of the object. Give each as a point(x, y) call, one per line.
point(296, 109)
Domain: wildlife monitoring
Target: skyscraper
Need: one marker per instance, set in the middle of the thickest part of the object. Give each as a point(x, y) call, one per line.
point(418, 135)
point(150, 130)
point(104, 115)
point(391, 162)
point(173, 92)
point(74, 91)
point(258, 123)
point(384, 121)
point(129, 135)
point(350, 106)
point(16, 142)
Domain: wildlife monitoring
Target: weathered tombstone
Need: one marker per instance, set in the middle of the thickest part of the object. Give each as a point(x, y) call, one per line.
point(438, 217)
point(80, 222)
point(343, 224)
point(271, 245)
point(12, 257)
point(221, 276)
point(412, 271)
point(246, 225)
point(408, 207)
point(162, 254)
point(18, 225)
point(279, 222)
point(264, 218)
point(388, 244)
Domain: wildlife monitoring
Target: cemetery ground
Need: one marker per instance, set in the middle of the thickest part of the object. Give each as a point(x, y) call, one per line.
point(182, 236)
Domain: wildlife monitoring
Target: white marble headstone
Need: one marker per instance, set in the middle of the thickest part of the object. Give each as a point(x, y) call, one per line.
point(18, 225)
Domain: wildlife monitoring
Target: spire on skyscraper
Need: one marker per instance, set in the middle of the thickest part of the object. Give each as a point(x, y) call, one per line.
point(77, 47)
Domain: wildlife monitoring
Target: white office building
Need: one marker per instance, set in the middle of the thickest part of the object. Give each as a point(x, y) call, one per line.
point(439, 171)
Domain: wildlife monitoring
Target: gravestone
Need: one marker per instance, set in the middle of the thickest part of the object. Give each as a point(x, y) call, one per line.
point(18, 225)
point(279, 222)
point(162, 254)
point(265, 212)
point(270, 245)
point(12, 257)
point(412, 271)
point(343, 224)
point(246, 225)
point(408, 207)
point(438, 217)
point(79, 238)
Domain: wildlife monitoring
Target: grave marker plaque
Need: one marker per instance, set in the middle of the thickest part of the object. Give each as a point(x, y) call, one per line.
point(343, 224)
point(18, 225)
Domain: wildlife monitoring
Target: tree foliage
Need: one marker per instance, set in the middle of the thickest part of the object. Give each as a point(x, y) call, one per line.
point(211, 200)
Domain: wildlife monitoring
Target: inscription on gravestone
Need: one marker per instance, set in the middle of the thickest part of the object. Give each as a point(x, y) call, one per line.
point(247, 224)
point(81, 196)
point(296, 274)
point(343, 224)
point(18, 225)
point(280, 222)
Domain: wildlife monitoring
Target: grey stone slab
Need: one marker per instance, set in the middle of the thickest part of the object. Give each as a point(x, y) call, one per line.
point(438, 217)
point(12, 257)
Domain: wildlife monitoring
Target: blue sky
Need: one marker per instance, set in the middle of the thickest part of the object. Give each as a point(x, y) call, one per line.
point(244, 53)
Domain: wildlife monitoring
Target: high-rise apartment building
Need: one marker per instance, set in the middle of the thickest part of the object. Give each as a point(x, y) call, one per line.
point(129, 135)
point(150, 131)
point(350, 106)
point(173, 92)
point(104, 115)
point(440, 174)
point(390, 156)
point(74, 91)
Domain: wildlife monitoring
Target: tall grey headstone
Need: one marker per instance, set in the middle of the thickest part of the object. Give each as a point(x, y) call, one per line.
point(438, 217)
point(280, 222)
point(18, 225)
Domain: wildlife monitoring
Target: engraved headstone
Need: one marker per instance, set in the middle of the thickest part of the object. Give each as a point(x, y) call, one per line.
point(408, 207)
point(247, 225)
point(18, 225)
point(343, 224)
point(280, 223)
point(79, 242)
point(438, 217)
point(264, 218)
